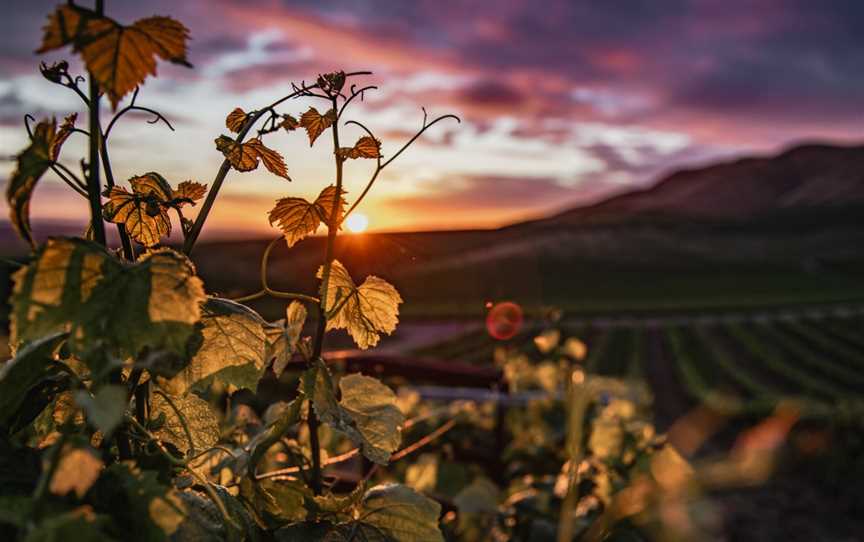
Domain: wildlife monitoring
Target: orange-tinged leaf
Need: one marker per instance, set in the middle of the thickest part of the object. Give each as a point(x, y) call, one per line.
point(365, 311)
point(146, 220)
point(326, 201)
point(63, 133)
point(119, 57)
point(33, 162)
point(240, 156)
point(235, 120)
point(366, 147)
point(315, 123)
point(297, 218)
point(271, 159)
point(188, 192)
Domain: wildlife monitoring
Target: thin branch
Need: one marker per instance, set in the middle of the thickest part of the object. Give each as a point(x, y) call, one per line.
point(157, 116)
point(354, 94)
point(380, 166)
point(251, 297)
point(276, 293)
point(413, 447)
point(192, 238)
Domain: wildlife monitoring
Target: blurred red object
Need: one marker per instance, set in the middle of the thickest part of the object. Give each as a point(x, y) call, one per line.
point(504, 320)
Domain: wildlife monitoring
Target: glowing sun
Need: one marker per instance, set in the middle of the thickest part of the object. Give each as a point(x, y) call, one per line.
point(357, 222)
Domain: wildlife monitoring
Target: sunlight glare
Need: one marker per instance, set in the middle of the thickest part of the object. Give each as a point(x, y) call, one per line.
point(357, 222)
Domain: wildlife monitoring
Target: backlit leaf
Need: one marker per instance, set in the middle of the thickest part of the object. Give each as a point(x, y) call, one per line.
point(245, 156)
point(366, 413)
point(201, 421)
point(239, 155)
point(188, 192)
point(120, 57)
point(271, 159)
point(402, 514)
point(107, 306)
point(366, 147)
point(315, 123)
point(366, 311)
point(77, 470)
point(297, 218)
point(282, 337)
point(235, 119)
point(146, 219)
point(33, 162)
point(232, 349)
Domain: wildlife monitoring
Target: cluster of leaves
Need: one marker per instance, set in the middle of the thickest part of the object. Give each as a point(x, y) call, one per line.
point(110, 427)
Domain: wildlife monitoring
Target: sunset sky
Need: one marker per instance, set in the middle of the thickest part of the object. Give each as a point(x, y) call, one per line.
point(563, 101)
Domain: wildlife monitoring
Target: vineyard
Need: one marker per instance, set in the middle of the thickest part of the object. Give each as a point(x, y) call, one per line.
point(737, 368)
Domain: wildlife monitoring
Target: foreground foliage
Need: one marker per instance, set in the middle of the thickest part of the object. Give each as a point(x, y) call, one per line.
point(110, 422)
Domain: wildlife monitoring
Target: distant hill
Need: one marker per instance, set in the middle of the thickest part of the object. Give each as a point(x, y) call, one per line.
point(807, 177)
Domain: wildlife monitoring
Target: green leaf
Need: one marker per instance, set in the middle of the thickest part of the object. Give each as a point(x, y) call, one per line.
point(201, 421)
point(109, 308)
point(367, 412)
point(278, 502)
point(402, 514)
point(143, 506)
point(33, 162)
point(232, 350)
point(18, 376)
point(106, 408)
point(274, 433)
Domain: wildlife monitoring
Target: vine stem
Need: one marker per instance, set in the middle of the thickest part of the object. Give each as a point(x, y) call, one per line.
point(93, 185)
point(198, 225)
point(332, 230)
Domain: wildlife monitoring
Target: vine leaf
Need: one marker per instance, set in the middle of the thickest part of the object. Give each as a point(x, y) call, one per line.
point(278, 502)
point(282, 337)
point(231, 351)
point(366, 311)
point(245, 156)
point(33, 162)
point(367, 412)
point(271, 159)
point(297, 218)
point(200, 420)
point(119, 57)
point(76, 472)
point(236, 119)
point(289, 123)
point(19, 375)
point(315, 123)
point(144, 211)
point(401, 513)
point(76, 286)
point(105, 409)
point(188, 192)
point(366, 147)
point(331, 83)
